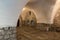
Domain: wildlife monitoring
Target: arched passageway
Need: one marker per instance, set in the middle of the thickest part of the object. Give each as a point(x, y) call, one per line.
point(27, 17)
point(41, 11)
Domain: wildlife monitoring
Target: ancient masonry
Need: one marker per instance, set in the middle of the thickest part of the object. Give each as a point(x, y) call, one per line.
point(8, 33)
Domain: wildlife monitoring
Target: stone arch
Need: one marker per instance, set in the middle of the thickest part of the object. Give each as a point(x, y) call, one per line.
point(44, 10)
point(56, 20)
point(25, 14)
point(55, 10)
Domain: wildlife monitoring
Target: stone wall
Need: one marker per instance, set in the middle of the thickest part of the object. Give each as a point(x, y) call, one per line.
point(8, 33)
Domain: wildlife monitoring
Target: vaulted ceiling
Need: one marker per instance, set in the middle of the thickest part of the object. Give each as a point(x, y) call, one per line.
point(42, 9)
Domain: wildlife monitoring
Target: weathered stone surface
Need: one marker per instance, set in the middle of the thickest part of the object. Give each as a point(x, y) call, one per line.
point(1, 37)
point(8, 33)
point(30, 33)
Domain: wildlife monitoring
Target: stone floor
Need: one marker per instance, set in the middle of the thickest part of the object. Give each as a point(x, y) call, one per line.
point(33, 33)
point(38, 32)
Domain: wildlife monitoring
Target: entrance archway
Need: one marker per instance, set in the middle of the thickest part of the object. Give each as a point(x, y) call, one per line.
point(27, 17)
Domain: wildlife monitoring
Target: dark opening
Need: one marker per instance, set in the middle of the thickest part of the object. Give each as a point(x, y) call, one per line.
point(29, 12)
point(18, 23)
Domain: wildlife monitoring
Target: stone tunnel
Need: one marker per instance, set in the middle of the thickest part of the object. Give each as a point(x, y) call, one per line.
point(38, 11)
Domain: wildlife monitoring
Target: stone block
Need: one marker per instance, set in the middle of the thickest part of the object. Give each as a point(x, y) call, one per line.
point(6, 36)
point(8, 33)
point(1, 37)
point(2, 32)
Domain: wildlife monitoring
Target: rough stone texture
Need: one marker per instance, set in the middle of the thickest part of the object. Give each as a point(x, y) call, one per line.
point(30, 33)
point(8, 33)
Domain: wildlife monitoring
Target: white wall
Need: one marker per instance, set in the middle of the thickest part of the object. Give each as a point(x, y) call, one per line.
point(9, 11)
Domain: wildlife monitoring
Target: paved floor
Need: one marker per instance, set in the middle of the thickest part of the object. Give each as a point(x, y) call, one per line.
point(31, 33)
